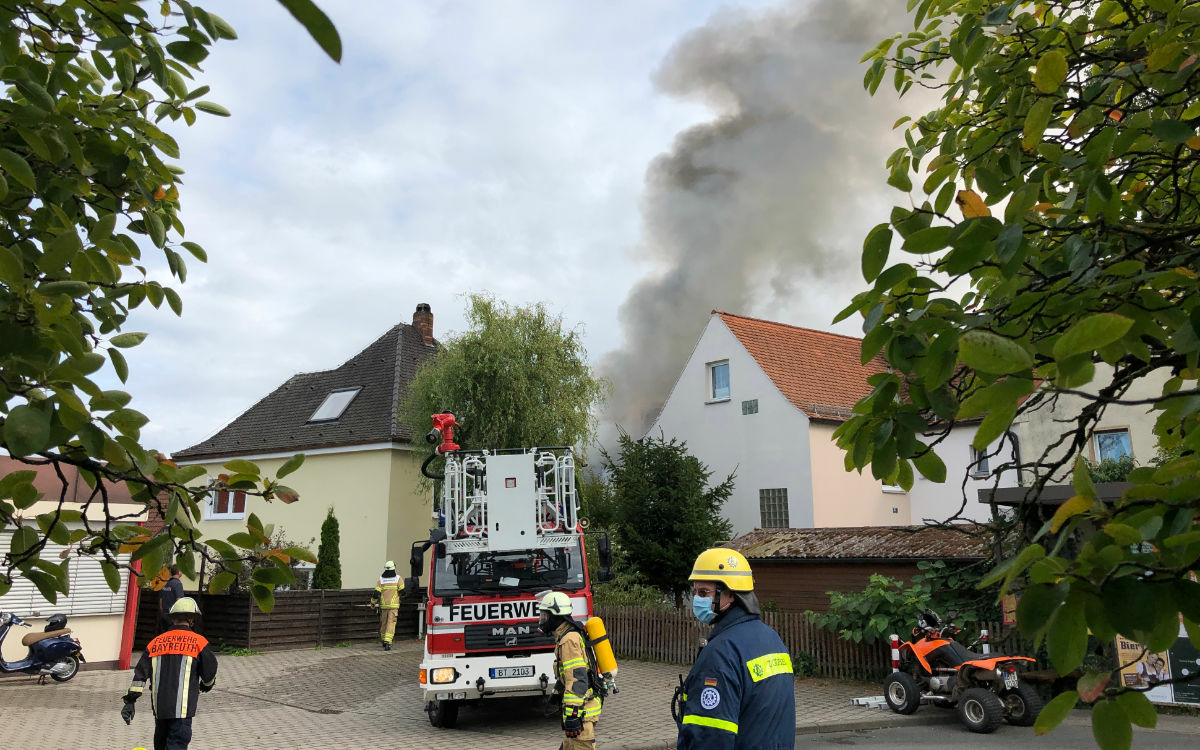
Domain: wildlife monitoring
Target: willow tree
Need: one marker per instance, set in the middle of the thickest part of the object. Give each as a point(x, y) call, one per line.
point(1048, 243)
point(517, 377)
point(89, 201)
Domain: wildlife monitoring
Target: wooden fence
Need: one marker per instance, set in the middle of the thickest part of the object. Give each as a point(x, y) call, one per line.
point(674, 637)
point(300, 619)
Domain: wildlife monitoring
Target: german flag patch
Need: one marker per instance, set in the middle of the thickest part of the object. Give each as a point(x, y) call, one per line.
point(710, 682)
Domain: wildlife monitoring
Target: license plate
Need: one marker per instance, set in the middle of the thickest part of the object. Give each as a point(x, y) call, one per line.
point(1010, 680)
point(499, 673)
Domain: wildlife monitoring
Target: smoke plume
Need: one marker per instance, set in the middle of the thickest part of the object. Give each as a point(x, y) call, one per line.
point(762, 210)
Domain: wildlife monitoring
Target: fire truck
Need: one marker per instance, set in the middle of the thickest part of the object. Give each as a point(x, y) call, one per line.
point(507, 529)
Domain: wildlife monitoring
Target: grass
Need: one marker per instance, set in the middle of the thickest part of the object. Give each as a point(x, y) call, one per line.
point(234, 651)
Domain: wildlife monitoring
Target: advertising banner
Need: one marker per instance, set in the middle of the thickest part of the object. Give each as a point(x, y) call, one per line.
point(1141, 669)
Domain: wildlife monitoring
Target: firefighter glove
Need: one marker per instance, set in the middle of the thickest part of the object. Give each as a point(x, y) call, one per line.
point(127, 710)
point(572, 723)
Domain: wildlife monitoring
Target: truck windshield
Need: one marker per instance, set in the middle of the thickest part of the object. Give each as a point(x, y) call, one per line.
point(498, 572)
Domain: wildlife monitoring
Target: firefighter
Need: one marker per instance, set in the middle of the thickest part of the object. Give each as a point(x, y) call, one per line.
point(387, 598)
point(739, 693)
point(572, 666)
point(180, 666)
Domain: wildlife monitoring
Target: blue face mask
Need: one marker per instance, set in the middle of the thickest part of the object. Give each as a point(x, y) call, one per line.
point(702, 609)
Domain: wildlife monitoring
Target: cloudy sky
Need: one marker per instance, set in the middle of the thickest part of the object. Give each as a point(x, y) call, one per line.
point(631, 164)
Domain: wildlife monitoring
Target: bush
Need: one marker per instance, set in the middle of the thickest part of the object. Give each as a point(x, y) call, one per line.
point(627, 590)
point(328, 573)
point(884, 607)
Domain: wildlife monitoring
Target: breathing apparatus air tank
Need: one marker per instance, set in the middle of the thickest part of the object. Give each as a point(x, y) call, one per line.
point(606, 662)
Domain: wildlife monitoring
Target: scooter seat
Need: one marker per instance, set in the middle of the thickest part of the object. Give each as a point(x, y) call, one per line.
point(32, 638)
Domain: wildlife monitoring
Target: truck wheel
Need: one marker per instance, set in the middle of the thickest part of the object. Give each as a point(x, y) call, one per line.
point(1022, 706)
point(980, 710)
point(901, 693)
point(443, 714)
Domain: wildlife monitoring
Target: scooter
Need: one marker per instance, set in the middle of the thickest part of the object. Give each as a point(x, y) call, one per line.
point(987, 689)
point(52, 653)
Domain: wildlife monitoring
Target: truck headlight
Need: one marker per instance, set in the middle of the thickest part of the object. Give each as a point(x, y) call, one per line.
point(442, 675)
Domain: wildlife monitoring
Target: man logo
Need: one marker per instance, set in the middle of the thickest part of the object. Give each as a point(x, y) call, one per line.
point(514, 631)
point(510, 640)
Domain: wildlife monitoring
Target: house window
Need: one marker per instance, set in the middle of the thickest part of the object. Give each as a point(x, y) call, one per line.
point(979, 463)
point(334, 404)
point(1112, 444)
point(773, 508)
point(750, 407)
point(718, 381)
point(225, 504)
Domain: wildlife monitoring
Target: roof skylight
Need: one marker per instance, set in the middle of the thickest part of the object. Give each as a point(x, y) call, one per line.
point(334, 404)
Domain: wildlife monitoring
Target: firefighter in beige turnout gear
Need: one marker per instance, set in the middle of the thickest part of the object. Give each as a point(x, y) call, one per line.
point(580, 703)
point(387, 598)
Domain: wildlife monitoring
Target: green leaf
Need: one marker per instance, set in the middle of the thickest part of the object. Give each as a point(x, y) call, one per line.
point(875, 251)
point(241, 466)
point(300, 554)
point(192, 53)
point(213, 109)
point(1172, 131)
point(1054, 712)
point(154, 228)
point(927, 240)
point(1111, 727)
point(290, 465)
point(273, 576)
point(1066, 637)
point(1036, 122)
point(126, 340)
point(243, 539)
point(998, 394)
point(27, 430)
point(119, 364)
point(1138, 708)
point(263, 596)
point(995, 424)
point(221, 581)
point(1038, 603)
point(931, 466)
point(23, 539)
point(16, 166)
point(154, 543)
point(1051, 71)
point(1091, 333)
point(983, 351)
point(318, 25)
point(112, 575)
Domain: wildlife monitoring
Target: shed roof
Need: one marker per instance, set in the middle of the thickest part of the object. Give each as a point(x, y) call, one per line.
point(865, 542)
point(280, 421)
point(820, 373)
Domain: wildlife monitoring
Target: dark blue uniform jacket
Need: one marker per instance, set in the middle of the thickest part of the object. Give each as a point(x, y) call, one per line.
point(739, 693)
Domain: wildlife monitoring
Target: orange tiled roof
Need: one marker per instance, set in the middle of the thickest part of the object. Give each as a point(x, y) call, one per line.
point(821, 373)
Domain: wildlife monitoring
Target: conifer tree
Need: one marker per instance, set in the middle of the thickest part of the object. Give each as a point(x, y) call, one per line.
point(328, 573)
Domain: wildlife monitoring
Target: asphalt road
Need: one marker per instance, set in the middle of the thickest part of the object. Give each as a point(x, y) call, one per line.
point(1073, 734)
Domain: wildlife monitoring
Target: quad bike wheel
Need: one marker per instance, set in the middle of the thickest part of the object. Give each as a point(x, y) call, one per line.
point(980, 710)
point(901, 693)
point(1022, 705)
point(443, 714)
point(67, 667)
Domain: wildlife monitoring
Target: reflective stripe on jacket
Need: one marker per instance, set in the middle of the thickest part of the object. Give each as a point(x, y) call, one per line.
point(739, 693)
point(389, 592)
point(176, 664)
point(571, 666)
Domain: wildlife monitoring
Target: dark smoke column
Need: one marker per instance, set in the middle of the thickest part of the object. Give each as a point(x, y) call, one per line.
point(762, 210)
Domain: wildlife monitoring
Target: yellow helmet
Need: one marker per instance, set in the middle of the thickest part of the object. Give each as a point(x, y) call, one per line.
point(725, 565)
point(556, 603)
point(185, 605)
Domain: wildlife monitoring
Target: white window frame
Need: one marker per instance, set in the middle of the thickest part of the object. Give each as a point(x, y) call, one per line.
point(979, 463)
point(210, 504)
point(353, 391)
point(711, 386)
point(1096, 442)
point(774, 499)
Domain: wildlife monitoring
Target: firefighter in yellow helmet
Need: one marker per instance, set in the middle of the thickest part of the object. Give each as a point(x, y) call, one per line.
point(387, 595)
point(573, 667)
point(739, 693)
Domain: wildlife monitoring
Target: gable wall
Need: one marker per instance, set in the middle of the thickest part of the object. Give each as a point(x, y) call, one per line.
point(847, 498)
point(768, 449)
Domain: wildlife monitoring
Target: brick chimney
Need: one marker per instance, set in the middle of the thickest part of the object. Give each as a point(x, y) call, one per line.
point(423, 322)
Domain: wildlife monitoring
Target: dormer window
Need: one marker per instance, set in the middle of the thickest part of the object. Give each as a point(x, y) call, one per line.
point(334, 404)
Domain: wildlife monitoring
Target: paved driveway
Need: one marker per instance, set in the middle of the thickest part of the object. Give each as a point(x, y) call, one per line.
point(362, 697)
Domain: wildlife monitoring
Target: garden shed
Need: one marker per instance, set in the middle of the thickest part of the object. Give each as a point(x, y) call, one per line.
point(793, 568)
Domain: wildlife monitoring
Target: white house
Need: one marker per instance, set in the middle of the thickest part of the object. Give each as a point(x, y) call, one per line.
point(764, 398)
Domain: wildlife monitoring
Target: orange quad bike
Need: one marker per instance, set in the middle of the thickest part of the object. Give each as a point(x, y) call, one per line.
point(987, 689)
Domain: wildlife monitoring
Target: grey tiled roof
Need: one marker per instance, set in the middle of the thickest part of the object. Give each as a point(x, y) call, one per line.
point(279, 422)
point(966, 541)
